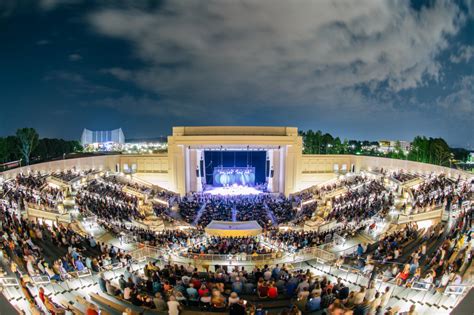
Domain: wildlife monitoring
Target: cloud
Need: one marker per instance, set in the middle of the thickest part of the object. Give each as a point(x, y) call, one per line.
point(460, 103)
point(76, 83)
point(143, 105)
point(48, 5)
point(65, 76)
point(74, 57)
point(43, 42)
point(119, 73)
point(276, 53)
point(464, 54)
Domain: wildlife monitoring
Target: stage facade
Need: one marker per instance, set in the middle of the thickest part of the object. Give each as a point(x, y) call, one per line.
point(192, 149)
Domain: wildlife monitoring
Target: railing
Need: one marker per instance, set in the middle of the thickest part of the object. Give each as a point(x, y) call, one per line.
point(111, 267)
point(347, 252)
point(81, 274)
point(145, 252)
point(433, 214)
point(421, 286)
point(134, 192)
point(9, 282)
point(333, 193)
point(458, 289)
point(39, 207)
point(232, 257)
point(36, 280)
point(276, 257)
point(59, 181)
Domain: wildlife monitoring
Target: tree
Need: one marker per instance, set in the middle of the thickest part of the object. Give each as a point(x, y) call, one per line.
point(27, 142)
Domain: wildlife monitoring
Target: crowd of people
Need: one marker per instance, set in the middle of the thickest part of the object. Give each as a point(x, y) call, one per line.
point(238, 291)
point(359, 204)
point(55, 251)
point(438, 190)
point(435, 256)
point(69, 175)
point(294, 240)
point(33, 189)
point(268, 210)
point(430, 258)
point(108, 201)
point(402, 176)
point(319, 191)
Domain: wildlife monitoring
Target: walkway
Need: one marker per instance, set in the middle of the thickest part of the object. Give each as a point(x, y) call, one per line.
point(199, 214)
point(270, 214)
point(234, 214)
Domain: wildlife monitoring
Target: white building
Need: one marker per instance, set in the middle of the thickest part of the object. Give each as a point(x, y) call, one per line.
point(102, 137)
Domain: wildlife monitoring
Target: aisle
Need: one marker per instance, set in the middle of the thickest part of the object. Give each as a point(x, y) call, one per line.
point(199, 214)
point(234, 214)
point(270, 214)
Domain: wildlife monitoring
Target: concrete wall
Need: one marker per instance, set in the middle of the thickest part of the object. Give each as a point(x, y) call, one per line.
point(366, 162)
point(325, 163)
point(104, 162)
point(150, 163)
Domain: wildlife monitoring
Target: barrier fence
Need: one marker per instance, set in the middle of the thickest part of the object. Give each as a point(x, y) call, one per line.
point(420, 292)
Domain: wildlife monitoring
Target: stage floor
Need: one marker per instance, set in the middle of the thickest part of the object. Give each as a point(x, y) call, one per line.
point(233, 229)
point(233, 191)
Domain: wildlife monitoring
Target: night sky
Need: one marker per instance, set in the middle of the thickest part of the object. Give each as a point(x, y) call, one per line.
point(365, 69)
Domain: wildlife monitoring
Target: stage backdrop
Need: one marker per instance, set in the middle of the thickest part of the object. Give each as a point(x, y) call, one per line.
point(237, 160)
point(228, 176)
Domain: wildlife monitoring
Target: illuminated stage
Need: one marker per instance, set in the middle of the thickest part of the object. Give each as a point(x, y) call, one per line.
point(234, 190)
point(233, 229)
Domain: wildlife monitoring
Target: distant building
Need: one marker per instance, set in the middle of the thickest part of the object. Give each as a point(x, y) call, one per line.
point(103, 137)
point(386, 146)
point(470, 158)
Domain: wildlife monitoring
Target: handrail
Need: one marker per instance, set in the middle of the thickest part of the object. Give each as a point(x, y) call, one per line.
point(111, 267)
point(456, 289)
point(437, 212)
point(40, 279)
point(9, 282)
point(421, 286)
point(275, 257)
point(81, 274)
point(347, 251)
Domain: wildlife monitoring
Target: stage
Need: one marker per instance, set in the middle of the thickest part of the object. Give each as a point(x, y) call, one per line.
point(233, 229)
point(234, 190)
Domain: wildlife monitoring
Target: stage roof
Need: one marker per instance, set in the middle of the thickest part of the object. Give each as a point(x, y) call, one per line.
point(234, 131)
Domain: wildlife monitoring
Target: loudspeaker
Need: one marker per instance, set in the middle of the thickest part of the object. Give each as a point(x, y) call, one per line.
point(267, 168)
point(201, 167)
point(197, 173)
point(271, 174)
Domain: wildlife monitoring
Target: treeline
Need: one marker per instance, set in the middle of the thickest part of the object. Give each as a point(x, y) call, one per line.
point(427, 150)
point(27, 146)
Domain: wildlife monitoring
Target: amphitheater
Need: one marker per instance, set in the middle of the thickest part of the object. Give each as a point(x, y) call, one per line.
point(235, 220)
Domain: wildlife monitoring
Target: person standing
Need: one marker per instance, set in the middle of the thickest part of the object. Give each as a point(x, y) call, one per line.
point(385, 297)
point(173, 306)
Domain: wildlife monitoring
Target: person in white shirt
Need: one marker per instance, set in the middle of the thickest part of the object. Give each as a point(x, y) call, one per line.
point(370, 293)
point(375, 303)
point(359, 296)
point(173, 306)
point(385, 297)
